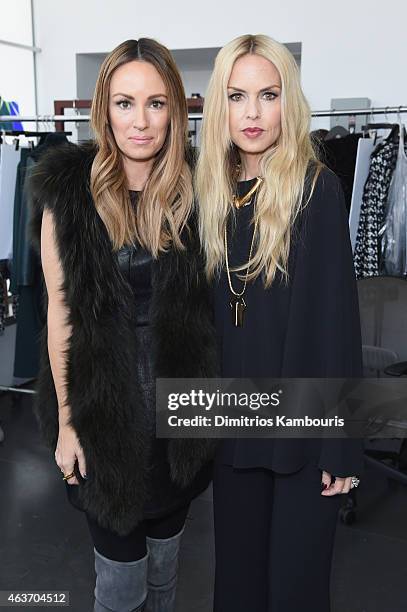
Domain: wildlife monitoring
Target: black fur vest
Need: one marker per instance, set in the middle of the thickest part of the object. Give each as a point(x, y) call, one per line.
point(102, 393)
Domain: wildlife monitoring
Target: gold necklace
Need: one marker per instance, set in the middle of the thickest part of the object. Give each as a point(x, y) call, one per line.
point(239, 202)
point(238, 303)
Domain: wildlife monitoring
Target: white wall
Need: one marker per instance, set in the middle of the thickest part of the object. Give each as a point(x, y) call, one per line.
point(16, 64)
point(352, 48)
point(17, 78)
point(15, 21)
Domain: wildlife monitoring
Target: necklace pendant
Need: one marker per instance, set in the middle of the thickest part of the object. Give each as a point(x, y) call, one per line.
point(238, 306)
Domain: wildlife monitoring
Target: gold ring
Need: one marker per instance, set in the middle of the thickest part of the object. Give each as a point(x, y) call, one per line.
point(68, 476)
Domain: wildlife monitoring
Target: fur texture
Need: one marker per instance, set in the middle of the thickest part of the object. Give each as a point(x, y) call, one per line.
point(102, 393)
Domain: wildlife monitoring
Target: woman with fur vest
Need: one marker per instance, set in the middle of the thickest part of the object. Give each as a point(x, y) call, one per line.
point(127, 301)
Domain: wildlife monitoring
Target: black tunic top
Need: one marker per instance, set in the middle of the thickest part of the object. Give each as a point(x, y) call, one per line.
point(256, 349)
point(308, 328)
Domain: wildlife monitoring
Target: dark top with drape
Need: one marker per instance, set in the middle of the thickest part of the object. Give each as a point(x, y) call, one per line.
point(308, 328)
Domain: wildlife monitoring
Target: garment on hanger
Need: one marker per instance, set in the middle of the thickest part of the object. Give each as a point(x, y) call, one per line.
point(9, 109)
point(375, 194)
point(365, 149)
point(26, 278)
point(394, 241)
point(2, 303)
point(25, 281)
point(21, 266)
point(338, 131)
point(9, 160)
point(339, 154)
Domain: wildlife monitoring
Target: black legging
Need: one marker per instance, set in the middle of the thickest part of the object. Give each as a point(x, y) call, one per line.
point(133, 546)
point(274, 536)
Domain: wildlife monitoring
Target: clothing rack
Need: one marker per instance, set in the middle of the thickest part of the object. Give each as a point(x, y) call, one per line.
point(387, 110)
point(10, 388)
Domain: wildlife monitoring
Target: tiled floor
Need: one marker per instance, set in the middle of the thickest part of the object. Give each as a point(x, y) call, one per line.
point(44, 543)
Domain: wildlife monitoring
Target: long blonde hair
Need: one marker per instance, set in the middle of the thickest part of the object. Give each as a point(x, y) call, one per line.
point(166, 200)
point(284, 166)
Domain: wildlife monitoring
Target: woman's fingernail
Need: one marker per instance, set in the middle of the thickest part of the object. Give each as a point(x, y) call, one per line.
point(85, 476)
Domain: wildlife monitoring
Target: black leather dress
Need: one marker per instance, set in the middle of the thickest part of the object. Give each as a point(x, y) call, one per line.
point(135, 264)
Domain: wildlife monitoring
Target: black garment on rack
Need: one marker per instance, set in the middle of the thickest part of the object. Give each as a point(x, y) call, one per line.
point(339, 155)
point(26, 277)
point(309, 328)
point(2, 303)
point(382, 165)
point(24, 260)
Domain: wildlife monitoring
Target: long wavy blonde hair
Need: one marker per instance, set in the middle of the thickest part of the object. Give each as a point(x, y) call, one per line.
point(166, 200)
point(287, 185)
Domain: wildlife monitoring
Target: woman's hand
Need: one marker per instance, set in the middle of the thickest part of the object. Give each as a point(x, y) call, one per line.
point(341, 485)
point(69, 450)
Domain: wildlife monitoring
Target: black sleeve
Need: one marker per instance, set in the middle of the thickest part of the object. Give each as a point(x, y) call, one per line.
point(324, 338)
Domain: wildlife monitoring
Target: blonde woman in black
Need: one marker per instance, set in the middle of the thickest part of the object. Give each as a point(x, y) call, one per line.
point(274, 230)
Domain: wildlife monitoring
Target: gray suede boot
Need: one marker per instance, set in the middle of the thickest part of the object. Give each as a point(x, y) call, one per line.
point(162, 573)
point(120, 586)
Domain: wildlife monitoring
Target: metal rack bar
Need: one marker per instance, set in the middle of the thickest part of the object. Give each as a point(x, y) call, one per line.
point(44, 118)
point(17, 390)
point(387, 110)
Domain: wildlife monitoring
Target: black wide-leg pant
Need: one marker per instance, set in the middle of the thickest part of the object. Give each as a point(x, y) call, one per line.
point(274, 537)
